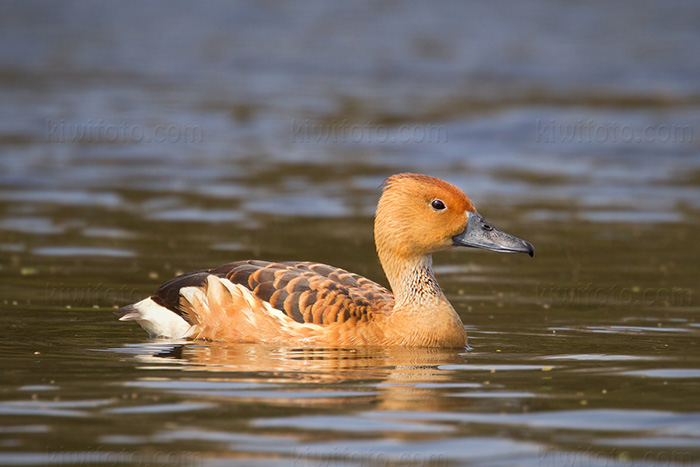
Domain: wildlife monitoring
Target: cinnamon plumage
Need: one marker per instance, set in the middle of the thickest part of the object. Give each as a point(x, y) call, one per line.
point(313, 304)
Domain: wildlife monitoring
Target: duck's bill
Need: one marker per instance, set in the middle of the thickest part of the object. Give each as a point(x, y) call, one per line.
point(480, 233)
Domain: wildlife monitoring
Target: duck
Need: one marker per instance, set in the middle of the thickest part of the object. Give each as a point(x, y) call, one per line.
point(308, 304)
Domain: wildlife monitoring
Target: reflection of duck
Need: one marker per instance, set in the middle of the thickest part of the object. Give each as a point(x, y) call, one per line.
point(288, 364)
point(395, 378)
point(311, 304)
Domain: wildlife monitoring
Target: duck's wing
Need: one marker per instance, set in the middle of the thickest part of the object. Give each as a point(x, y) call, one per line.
point(306, 292)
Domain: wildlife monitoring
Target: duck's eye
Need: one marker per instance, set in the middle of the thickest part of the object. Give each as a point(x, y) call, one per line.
point(438, 205)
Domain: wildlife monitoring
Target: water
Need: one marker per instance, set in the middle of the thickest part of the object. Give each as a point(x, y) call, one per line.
point(138, 143)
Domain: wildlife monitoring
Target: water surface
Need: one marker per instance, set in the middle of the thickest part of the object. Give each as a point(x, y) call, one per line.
point(132, 150)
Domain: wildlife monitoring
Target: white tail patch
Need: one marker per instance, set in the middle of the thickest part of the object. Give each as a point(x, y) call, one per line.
point(158, 321)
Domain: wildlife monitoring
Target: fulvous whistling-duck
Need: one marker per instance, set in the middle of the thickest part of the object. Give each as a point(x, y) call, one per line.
point(312, 304)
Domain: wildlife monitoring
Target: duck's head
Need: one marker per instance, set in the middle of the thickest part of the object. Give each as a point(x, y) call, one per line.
point(418, 215)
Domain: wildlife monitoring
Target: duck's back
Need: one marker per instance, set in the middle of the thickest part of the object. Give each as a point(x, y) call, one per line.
point(306, 292)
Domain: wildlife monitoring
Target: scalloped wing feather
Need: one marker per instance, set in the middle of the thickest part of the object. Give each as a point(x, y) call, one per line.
point(307, 292)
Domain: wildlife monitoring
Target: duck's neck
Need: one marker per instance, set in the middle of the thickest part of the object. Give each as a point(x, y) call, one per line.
point(412, 281)
point(422, 316)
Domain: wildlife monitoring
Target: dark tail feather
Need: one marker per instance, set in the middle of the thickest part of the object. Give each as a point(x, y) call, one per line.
point(127, 313)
